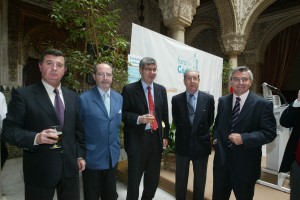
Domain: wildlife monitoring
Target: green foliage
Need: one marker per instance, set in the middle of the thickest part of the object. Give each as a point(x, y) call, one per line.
point(225, 77)
point(171, 147)
point(91, 26)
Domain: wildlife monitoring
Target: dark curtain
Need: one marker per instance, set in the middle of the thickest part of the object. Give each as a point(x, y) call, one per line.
point(280, 55)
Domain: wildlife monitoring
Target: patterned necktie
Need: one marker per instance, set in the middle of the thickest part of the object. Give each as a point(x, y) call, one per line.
point(106, 102)
point(154, 124)
point(59, 107)
point(191, 108)
point(235, 112)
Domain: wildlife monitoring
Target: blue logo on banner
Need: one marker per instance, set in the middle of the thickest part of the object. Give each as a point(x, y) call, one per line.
point(185, 64)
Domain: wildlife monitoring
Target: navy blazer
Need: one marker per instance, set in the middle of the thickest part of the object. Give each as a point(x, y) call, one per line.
point(31, 111)
point(193, 141)
point(102, 132)
point(290, 118)
point(257, 126)
point(134, 105)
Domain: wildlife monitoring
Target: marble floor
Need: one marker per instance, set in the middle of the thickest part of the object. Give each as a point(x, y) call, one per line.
point(13, 186)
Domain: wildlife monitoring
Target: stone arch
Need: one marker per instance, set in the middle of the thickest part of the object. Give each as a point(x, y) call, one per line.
point(196, 29)
point(272, 32)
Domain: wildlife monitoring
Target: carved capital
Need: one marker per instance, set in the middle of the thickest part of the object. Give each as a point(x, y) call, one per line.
point(233, 44)
point(178, 12)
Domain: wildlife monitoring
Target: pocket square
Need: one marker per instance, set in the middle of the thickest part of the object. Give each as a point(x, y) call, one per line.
point(120, 111)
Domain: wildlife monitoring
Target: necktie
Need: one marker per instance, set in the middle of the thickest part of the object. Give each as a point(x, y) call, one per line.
point(235, 112)
point(153, 125)
point(59, 108)
point(191, 108)
point(106, 102)
point(298, 153)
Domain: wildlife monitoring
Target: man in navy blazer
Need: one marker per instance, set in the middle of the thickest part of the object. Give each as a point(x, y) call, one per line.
point(143, 142)
point(290, 118)
point(101, 113)
point(27, 124)
point(237, 161)
point(192, 136)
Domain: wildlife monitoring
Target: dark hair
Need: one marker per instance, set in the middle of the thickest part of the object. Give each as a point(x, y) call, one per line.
point(146, 61)
point(50, 51)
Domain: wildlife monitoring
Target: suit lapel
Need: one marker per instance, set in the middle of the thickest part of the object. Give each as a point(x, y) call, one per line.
point(113, 101)
point(246, 107)
point(43, 100)
point(183, 108)
point(97, 99)
point(201, 103)
point(140, 93)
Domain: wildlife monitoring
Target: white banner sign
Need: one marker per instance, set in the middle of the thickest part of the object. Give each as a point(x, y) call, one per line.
point(173, 59)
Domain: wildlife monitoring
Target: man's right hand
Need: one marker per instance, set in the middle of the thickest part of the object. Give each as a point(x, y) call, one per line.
point(47, 136)
point(145, 119)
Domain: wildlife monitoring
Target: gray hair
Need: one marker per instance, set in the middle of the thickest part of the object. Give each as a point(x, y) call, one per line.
point(192, 70)
point(241, 69)
point(147, 61)
point(95, 66)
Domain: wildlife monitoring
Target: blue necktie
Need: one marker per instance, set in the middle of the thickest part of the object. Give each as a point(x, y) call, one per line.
point(106, 103)
point(191, 108)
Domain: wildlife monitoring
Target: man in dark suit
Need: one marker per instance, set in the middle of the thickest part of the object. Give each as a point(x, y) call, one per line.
point(145, 106)
point(244, 122)
point(290, 118)
point(101, 113)
point(31, 111)
point(193, 115)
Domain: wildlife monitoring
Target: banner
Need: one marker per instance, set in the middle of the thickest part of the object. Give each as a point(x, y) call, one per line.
point(173, 59)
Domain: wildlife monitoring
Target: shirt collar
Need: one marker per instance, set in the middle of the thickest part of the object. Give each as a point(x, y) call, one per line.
point(145, 85)
point(102, 92)
point(50, 88)
point(243, 96)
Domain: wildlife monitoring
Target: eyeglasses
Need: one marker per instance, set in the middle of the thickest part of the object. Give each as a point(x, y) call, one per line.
point(148, 69)
point(192, 78)
point(102, 75)
point(237, 79)
point(52, 64)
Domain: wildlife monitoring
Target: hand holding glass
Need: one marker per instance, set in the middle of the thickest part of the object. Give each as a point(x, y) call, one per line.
point(58, 131)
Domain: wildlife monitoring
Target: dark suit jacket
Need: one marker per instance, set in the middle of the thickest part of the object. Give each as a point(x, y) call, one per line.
point(134, 105)
point(290, 118)
point(193, 141)
point(257, 125)
point(29, 112)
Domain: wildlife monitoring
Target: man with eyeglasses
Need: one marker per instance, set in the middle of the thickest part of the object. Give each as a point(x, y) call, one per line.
point(244, 122)
point(145, 106)
point(101, 114)
point(31, 112)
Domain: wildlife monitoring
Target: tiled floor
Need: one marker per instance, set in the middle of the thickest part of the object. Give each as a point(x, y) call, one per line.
point(13, 186)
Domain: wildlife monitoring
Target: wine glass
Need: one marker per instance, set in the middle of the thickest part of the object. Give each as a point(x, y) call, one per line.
point(58, 131)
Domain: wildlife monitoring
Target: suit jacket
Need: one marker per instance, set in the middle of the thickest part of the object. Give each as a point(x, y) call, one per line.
point(31, 111)
point(257, 126)
point(102, 132)
point(134, 105)
point(193, 141)
point(290, 118)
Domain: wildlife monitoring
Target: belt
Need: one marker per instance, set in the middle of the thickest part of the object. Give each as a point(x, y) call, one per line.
point(151, 131)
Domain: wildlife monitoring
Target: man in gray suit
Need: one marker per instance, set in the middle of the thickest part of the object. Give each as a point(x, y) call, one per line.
point(244, 122)
point(31, 112)
point(193, 115)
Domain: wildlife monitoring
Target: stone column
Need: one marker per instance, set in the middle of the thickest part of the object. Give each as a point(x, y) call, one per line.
point(4, 43)
point(233, 46)
point(177, 15)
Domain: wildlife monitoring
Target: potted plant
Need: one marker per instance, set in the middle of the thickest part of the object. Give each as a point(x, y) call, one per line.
point(169, 157)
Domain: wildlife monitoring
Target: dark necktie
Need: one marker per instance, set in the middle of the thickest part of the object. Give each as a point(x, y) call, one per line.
point(59, 108)
point(235, 112)
point(153, 125)
point(191, 108)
